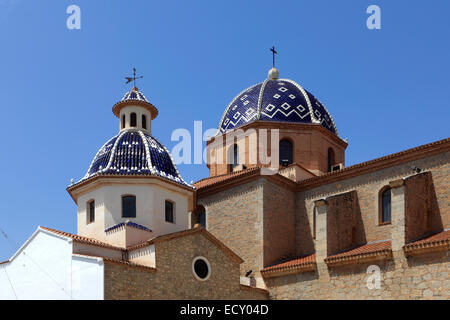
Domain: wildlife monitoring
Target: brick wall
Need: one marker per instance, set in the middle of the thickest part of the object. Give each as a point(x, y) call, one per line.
point(255, 220)
point(310, 143)
point(235, 217)
point(418, 209)
point(343, 229)
point(279, 223)
point(173, 278)
point(420, 277)
point(367, 187)
point(425, 209)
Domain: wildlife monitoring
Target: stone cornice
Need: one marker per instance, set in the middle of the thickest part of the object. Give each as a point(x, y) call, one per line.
point(251, 175)
point(359, 258)
point(437, 242)
point(108, 179)
point(147, 105)
point(360, 254)
point(261, 124)
point(299, 265)
point(377, 164)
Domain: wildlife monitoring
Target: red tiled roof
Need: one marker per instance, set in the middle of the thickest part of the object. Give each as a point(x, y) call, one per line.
point(217, 179)
point(436, 241)
point(82, 239)
point(363, 252)
point(298, 264)
point(376, 164)
point(117, 261)
point(371, 165)
point(128, 264)
point(187, 232)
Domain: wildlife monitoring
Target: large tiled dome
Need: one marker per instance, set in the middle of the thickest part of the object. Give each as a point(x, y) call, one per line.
point(274, 99)
point(134, 152)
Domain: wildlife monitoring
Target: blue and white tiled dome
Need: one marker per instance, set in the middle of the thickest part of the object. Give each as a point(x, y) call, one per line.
point(276, 100)
point(134, 152)
point(134, 94)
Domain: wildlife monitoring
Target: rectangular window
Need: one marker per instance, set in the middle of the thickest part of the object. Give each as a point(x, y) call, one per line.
point(169, 212)
point(91, 211)
point(129, 207)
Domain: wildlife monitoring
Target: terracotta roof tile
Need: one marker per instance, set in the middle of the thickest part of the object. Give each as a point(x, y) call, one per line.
point(435, 241)
point(187, 232)
point(82, 239)
point(117, 261)
point(362, 252)
point(440, 145)
point(224, 177)
point(297, 264)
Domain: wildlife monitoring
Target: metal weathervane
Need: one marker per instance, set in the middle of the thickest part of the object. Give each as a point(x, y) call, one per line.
point(134, 78)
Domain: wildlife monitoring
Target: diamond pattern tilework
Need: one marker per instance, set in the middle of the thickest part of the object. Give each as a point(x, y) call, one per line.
point(286, 108)
point(282, 100)
point(236, 114)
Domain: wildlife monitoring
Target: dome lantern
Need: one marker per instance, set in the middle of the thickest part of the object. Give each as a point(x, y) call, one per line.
point(135, 112)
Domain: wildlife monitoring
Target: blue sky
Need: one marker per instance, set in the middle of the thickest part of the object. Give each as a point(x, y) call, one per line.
point(388, 89)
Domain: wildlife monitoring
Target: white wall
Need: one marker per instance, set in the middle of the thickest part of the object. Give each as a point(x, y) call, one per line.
point(150, 209)
point(44, 268)
point(139, 112)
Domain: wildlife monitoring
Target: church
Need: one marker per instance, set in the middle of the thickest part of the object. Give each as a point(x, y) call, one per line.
point(302, 226)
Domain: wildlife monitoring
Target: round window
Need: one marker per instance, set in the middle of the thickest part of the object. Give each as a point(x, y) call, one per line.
point(201, 268)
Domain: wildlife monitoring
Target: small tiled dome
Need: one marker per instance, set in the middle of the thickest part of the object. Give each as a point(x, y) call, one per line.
point(135, 97)
point(275, 100)
point(134, 152)
point(134, 94)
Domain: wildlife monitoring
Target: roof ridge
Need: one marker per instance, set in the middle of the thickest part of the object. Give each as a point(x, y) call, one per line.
point(80, 238)
point(229, 173)
point(369, 162)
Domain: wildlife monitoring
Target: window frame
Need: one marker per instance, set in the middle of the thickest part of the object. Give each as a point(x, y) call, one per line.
point(208, 265)
point(331, 159)
point(233, 155)
point(89, 219)
point(286, 139)
point(381, 215)
point(144, 121)
point(135, 205)
point(133, 120)
point(173, 211)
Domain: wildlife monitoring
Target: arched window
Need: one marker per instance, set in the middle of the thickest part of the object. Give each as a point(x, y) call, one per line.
point(133, 119)
point(286, 152)
point(331, 160)
point(199, 216)
point(385, 206)
point(170, 217)
point(123, 121)
point(144, 121)
point(234, 157)
point(128, 207)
